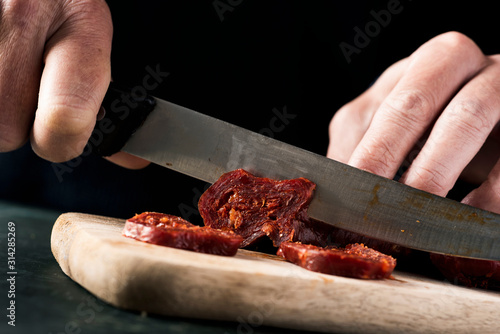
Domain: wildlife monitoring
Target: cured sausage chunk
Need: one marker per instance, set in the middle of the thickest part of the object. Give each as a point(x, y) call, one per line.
point(355, 260)
point(469, 272)
point(172, 231)
point(254, 207)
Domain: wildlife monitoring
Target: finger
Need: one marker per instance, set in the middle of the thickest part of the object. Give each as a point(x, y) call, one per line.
point(350, 122)
point(126, 160)
point(458, 134)
point(487, 196)
point(479, 168)
point(348, 127)
point(430, 81)
point(74, 82)
point(21, 49)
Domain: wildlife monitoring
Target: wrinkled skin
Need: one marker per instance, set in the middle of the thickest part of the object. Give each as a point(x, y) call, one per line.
point(435, 113)
point(54, 72)
point(440, 106)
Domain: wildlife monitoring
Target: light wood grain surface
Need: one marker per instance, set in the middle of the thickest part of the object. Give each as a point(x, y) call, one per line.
point(254, 289)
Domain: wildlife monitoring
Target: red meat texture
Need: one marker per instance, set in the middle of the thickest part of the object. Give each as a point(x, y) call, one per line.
point(255, 207)
point(469, 272)
point(240, 208)
point(355, 260)
point(172, 231)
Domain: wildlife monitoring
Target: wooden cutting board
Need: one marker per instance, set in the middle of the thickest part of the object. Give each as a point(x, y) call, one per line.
point(255, 289)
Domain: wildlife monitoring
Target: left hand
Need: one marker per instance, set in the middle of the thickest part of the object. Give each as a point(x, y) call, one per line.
point(442, 105)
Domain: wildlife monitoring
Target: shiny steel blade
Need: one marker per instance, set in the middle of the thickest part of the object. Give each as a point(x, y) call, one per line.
point(205, 148)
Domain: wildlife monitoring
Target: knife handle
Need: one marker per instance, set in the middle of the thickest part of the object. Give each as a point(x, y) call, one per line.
point(125, 111)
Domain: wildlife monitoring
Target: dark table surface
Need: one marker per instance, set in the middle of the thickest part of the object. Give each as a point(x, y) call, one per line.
point(47, 301)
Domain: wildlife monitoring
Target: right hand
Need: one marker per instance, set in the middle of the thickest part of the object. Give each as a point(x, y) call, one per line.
point(54, 72)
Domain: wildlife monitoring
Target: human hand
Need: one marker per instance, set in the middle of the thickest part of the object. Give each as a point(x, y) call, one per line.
point(55, 59)
point(442, 102)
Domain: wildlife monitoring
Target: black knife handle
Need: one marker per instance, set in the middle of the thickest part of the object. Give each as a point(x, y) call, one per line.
point(125, 111)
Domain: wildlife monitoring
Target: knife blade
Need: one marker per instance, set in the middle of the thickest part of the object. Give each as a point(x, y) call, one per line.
point(205, 148)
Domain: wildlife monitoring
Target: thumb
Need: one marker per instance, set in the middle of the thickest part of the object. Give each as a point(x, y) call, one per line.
point(74, 81)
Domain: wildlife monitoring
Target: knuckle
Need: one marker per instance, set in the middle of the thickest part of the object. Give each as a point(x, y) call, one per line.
point(19, 8)
point(95, 10)
point(21, 15)
point(90, 6)
point(452, 48)
point(90, 23)
point(433, 180)
point(378, 158)
point(411, 106)
point(455, 40)
point(471, 118)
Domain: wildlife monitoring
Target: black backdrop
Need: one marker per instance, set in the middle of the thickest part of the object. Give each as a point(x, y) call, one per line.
point(244, 62)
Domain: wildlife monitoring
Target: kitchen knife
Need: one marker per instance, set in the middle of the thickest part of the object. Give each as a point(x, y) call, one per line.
point(205, 148)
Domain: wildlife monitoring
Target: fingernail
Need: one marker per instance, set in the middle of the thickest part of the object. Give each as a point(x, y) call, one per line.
point(101, 113)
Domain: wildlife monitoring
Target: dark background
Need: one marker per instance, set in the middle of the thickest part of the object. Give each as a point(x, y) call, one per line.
point(263, 55)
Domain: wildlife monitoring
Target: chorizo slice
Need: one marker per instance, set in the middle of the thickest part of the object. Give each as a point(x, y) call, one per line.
point(469, 272)
point(355, 260)
point(172, 231)
point(254, 207)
